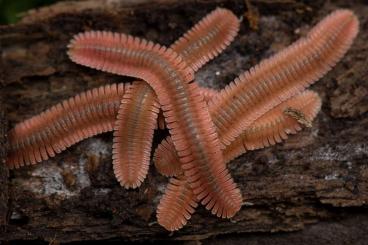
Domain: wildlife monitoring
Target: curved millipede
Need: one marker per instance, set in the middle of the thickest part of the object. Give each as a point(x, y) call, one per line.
point(184, 108)
point(280, 77)
point(269, 129)
point(42, 136)
point(200, 44)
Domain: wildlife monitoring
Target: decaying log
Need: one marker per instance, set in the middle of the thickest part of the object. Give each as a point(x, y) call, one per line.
point(321, 174)
point(4, 174)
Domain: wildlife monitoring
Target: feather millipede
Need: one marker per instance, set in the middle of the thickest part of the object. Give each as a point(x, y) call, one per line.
point(208, 38)
point(235, 99)
point(72, 120)
point(196, 39)
point(177, 205)
point(260, 108)
point(42, 136)
point(133, 134)
point(184, 108)
point(270, 83)
point(201, 43)
point(283, 75)
point(269, 129)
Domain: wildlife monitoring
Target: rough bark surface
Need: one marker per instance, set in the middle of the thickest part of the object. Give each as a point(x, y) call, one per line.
point(4, 174)
point(319, 176)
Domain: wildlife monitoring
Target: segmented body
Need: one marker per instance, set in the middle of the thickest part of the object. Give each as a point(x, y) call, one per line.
point(184, 108)
point(208, 38)
point(177, 205)
point(269, 129)
point(282, 76)
point(274, 126)
point(87, 114)
point(133, 134)
point(200, 44)
point(239, 106)
point(269, 86)
point(285, 74)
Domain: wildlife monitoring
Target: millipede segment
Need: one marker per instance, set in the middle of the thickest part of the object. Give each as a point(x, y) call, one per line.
point(42, 136)
point(71, 126)
point(185, 110)
point(285, 74)
point(269, 129)
point(274, 81)
point(204, 41)
point(166, 159)
point(275, 126)
point(133, 134)
point(200, 44)
point(201, 36)
point(208, 38)
point(234, 104)
point(207, 93)
point(177, 205)
point(208, 129)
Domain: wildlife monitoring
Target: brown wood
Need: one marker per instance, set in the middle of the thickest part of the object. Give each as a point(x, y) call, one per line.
point(4, 173)
point(318, 176)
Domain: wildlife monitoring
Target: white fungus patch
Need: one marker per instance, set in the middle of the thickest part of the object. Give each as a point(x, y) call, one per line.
point(97, 147)
point(15, 216)
point(340, 152)
point(101, 191)
point(47, 178)
point(349, 164)
point(332, 176)
point(161, 189)
point(82, 175)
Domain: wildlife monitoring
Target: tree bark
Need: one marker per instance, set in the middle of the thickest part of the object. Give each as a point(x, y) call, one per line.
point(4, 174)
point(317, 175)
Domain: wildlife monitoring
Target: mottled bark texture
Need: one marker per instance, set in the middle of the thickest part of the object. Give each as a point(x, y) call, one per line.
point(4, 173)
point(318, 176)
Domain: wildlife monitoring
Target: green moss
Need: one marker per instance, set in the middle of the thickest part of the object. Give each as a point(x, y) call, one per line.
point(10, 10)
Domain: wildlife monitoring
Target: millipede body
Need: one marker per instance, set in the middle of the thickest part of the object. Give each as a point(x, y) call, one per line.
point(207, 128)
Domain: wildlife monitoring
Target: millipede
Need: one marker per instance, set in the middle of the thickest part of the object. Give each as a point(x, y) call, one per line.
point(262, 94)
point(199, 45)
point(80, 117)
point(207, 128)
